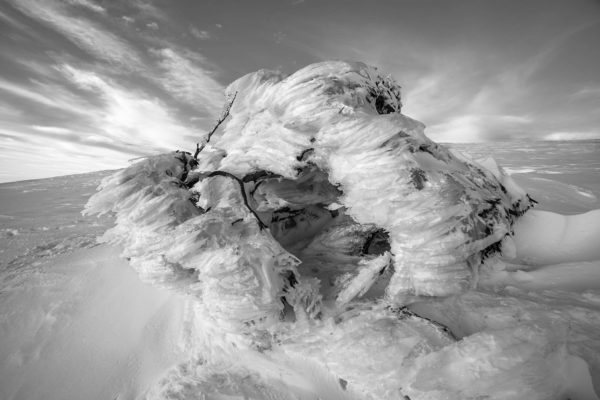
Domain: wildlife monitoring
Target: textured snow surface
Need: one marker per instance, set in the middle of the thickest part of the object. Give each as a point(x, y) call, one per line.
point(320, 247)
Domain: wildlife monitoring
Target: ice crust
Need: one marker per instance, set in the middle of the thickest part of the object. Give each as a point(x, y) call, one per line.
point(303, 230)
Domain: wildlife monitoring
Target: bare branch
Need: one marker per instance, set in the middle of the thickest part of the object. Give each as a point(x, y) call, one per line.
point(219, 122)
point(261, 224)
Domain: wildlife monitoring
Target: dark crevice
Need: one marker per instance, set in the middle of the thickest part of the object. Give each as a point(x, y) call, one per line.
point(418, 178)
point(286, 213)
point(491, 250)
point(382, 106)
point(259, 176)
point(377, 243)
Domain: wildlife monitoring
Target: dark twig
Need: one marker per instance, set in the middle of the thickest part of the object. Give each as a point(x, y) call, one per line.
point(219, 122)
point(260, 175)
point(261, 225)
point(304, 153)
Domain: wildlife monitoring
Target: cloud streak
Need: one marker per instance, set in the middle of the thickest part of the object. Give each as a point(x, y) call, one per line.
point(36, 94)
point(88, 5)
point(93, 81)
point(82, 32)
point(130, 118)
point(185, 79)
point(128, 99)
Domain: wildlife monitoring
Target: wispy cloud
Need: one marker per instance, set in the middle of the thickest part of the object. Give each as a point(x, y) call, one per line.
point(84, 33)
point(200, 34)
point(96, 80)
point(147, 10)
point(39, 93)
point(20, 27)
point(88, 4)
point(9, 112)
point(480, 127)
point(586, 93)
point(571, 135)
point(185, 78)
point(279, 37)
point(131, 117)
point(97, 112)
point(51, 129)
point(29, 151)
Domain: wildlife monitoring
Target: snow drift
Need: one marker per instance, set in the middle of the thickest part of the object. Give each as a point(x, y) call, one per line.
point(304, 229)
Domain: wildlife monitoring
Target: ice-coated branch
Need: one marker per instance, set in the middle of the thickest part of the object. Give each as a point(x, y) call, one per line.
point(214, 129)
point(261, 225)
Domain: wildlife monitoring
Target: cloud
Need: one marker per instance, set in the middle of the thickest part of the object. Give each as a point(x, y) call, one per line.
point(198, 34)
point(479, 128)
point(570, 135)
point(279, 37)
point(185, 78)
point(469, 86)
point(8, 111)
point(152, 25)
point(130, 118)
point(20, 27)
point(147, 10)
point(89, 5)
point(25, 155)
point(43, 94)
point(84, 33)
point(97, 114)
point(586, 93)
point(83, 140)
point(51, 129)
point(466, 99)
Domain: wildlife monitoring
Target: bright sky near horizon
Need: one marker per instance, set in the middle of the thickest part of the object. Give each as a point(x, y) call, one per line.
point(86, 85)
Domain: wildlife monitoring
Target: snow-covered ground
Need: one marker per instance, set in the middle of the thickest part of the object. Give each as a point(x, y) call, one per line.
point(561, 175)
point(76, 322)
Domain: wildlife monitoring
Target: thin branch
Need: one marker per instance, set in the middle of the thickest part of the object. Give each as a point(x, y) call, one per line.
point(261, 224)
point(219, 122)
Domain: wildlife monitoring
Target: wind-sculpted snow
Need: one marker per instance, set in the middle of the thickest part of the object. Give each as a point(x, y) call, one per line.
point(303, 229)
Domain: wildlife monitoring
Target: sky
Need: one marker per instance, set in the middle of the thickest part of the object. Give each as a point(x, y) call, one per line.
point(87, 85)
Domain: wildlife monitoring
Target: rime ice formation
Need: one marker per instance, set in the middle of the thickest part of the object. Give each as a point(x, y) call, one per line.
point(317, 191)
point(311, 218)
point(317, 175)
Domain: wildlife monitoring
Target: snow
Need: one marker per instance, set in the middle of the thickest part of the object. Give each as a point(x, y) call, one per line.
point(83, 325)
point(320, 247)
point(544, 237)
